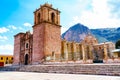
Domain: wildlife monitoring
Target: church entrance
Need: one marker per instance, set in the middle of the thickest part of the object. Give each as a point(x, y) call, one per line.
point(26, 59)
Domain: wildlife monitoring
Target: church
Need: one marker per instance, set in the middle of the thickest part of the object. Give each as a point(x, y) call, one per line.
point(46, 45)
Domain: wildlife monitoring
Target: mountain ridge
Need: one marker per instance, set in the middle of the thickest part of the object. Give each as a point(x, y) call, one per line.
point(78, 32)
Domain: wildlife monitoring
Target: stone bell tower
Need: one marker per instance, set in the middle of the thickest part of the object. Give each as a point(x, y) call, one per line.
point(46, 34)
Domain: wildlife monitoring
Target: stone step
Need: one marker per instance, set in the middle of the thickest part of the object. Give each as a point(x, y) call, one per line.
point(69, 69)
point(75, 69)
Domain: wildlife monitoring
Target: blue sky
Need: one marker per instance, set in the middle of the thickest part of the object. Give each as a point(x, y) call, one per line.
point(17, 16)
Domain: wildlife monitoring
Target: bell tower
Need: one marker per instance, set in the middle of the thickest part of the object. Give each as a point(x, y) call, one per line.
point(47, 14)
point(46, 34)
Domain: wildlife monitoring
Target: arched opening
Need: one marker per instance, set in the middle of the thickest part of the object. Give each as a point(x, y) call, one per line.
point(27, 45)
point(26, 59)
point(1, 58)
point(38, 17)
point(53, 17)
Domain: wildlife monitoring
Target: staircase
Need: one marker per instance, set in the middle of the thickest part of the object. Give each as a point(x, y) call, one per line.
point(92, 69)
point(95, 69)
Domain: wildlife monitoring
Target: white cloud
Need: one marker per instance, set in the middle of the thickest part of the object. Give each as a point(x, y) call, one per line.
point(6, 49)
point(20, 28)
point(3, 38)
point(100, 16)
point(3, 30)
point(12, 26)
point(27, 24)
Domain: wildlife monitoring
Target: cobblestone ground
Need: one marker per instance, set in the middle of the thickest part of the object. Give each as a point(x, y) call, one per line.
point(51, 76)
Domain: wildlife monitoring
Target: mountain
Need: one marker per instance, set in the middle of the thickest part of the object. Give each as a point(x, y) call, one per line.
point(110, 34)
point(76, 33)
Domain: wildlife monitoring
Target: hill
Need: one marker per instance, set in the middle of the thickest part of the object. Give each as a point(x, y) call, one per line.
point(78, 32)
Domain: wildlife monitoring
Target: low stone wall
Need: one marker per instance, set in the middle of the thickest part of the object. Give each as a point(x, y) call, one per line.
point(10, 68)
point(75, 68)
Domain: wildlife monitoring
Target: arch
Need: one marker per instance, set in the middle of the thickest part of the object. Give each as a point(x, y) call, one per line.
point(38, 17)
point(1, 58)
point(7, 58)
point(27, 45)
point(26, 59)
point(12, 58)
point(53, 17)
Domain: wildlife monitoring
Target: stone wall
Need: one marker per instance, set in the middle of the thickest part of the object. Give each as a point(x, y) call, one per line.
point(17, 47)
point(38, 44)
point(52, 45)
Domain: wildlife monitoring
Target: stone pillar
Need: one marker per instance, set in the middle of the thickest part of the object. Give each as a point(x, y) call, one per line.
point(74, 50)
point(83, 52)
point(77, 51)
point(58, 18)
point(65, 51)
point(90, 52)
point(105, 52)
point(45, 14)
point(69, 50)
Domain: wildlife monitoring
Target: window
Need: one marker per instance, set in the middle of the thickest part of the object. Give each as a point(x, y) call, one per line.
point(38, 17)
point(26, 45)
point(1, 58)
point(7, 58)
point(53, 53)
point(12, 58)
point(53, 17)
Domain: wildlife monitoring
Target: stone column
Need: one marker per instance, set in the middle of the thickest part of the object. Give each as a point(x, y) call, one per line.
point(58, 18)
point(74, 50)
point(105, 52)
point(44, 14)
point(69, 50)
point(65, 51)
point(83, 52)
point(90, 51)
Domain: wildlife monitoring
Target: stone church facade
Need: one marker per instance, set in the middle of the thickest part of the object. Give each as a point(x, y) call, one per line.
point(87, 50)
point(46, 45)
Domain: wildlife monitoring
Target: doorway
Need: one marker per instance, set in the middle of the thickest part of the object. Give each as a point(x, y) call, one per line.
point(26, 59)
